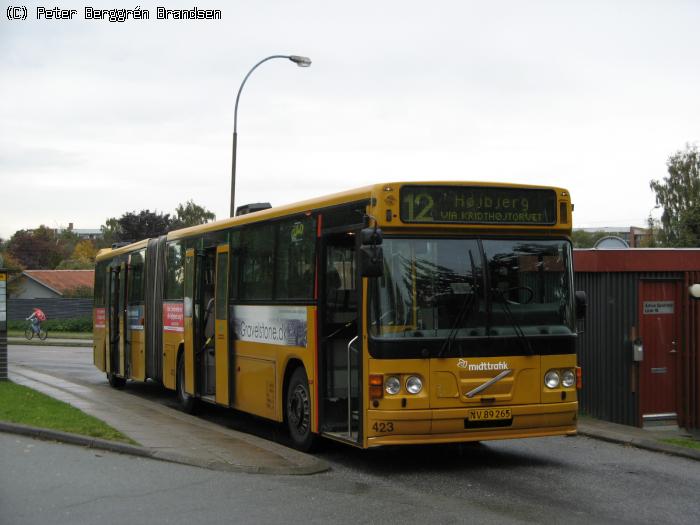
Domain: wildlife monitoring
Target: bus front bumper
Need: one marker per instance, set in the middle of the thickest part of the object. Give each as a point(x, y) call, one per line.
point(450, 425)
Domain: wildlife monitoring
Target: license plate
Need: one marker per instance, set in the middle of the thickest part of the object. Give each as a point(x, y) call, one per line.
point(489, 414)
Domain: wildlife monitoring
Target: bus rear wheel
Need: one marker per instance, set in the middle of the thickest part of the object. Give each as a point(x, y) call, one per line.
point(114, 381)
point(298, 412)
point(188, 403)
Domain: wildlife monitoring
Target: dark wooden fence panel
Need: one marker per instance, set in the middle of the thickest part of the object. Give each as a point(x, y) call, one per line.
point(18, 309)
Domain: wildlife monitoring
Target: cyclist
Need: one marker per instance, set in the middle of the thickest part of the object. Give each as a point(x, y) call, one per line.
point(36, 319)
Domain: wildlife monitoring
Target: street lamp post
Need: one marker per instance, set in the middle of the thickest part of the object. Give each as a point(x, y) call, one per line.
point(299, 61)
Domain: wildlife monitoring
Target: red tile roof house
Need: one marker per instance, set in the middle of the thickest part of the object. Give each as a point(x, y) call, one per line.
point(52, 284)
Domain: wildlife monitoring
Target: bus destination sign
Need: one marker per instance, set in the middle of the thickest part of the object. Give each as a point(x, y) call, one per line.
point(478, 205)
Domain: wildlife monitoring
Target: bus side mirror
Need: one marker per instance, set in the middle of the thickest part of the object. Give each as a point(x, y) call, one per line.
point(581, 304)
point(371, 261)
point(371, 237)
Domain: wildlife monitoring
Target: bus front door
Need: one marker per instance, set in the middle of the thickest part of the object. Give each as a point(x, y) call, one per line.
point(341, 344)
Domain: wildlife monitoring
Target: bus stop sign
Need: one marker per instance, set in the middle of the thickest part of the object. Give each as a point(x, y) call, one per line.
point(3, 325)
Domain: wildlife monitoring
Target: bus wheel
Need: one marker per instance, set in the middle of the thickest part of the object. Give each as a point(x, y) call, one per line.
point(187, 402)
point(114, 381)
point(298, 411)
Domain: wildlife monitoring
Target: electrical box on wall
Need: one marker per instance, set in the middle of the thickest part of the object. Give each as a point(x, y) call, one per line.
point(637, 350)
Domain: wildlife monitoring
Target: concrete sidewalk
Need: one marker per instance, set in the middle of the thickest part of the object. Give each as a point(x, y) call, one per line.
point(51, 340)
point(168, 434)
point(645, 438)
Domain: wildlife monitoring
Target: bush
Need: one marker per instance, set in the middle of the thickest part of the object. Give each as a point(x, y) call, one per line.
point(76, 324)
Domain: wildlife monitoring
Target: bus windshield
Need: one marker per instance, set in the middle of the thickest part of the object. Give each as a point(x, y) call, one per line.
point(446, 288)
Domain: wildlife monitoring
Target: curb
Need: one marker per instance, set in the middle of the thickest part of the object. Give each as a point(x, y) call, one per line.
point(645, 444)
point(135, 450)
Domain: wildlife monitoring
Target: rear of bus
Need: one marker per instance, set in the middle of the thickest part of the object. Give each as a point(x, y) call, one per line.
point(471, 328)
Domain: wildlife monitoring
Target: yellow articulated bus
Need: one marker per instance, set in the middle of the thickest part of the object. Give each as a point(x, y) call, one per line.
point(398, 313)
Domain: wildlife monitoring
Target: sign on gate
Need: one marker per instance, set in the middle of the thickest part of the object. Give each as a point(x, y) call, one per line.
point(658, 307)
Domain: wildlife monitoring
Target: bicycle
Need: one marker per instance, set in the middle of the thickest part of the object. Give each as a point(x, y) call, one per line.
point(29, 332)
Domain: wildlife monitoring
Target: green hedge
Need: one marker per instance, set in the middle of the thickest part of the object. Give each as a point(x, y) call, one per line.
point(76, 324)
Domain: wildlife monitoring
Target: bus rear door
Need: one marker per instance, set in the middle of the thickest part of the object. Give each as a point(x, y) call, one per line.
point(117, 346)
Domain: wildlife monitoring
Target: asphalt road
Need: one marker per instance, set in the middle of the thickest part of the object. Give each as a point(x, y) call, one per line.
point(553, 480)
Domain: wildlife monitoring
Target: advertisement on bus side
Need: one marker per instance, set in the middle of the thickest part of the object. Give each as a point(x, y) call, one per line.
point(275, 325)
point(100, 317)
point(174, 317)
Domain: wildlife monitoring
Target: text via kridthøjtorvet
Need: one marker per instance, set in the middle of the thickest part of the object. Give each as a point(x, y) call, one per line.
point(137, 14)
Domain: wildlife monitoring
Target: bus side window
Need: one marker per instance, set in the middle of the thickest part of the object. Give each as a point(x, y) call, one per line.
point(175, 272)
point(295, 259)
point(340, 284)
point(257, 262)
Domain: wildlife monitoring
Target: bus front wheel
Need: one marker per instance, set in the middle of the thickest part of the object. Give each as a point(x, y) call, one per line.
point(298, 411)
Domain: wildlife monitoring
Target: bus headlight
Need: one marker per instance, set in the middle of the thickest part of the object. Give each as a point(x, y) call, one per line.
point(551, 379)
point(568, 378)
point(414, 385)
point(392, 385)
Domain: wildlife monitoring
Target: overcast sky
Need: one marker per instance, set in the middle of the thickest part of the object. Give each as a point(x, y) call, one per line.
point(100, 118)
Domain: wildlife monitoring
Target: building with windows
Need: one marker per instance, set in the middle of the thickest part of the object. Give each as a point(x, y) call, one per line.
point(90, 234)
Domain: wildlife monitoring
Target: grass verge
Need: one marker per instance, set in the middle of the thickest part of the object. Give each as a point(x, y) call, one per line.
point(683, 442)
point(19, 404)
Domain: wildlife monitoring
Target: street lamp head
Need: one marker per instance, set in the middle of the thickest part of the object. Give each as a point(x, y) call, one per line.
point(300, 61)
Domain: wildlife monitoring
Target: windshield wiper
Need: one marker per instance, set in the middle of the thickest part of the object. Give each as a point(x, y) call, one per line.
point(516, 327)
point(462, 313)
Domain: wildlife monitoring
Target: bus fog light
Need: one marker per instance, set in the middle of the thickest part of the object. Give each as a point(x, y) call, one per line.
point(568, 378)
point(551, 379)
point(414, 385)
point(392, 385)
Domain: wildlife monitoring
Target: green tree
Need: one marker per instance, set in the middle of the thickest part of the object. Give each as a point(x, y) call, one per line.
point(84, 250)
point(191, 214)
point(584, 239)
point(67, 240)
point(39, 249)
point(653, 240)
point(109, 233)
point(15, 269)
point(82, 258)
point(679, 196)
point(133, 226)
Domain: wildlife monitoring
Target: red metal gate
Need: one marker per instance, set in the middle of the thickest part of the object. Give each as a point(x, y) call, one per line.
point(659, 320)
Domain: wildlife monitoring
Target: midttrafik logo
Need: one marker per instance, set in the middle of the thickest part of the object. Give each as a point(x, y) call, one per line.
point(501, 365)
